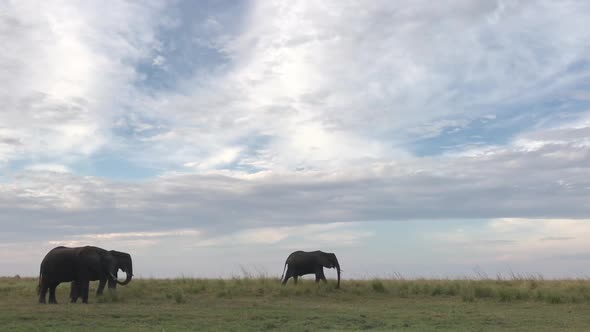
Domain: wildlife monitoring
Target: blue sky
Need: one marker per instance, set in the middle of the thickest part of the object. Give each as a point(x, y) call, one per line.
point(409, 138)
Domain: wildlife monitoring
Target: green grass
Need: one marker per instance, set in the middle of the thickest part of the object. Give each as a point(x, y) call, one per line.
point(259, 304)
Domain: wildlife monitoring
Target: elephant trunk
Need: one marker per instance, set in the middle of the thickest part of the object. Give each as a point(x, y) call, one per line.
point(127, 280)
point(338, 271)
point(129, 271)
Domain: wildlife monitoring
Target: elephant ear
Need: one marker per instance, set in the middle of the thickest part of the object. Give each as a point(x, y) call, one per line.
point(109, 263)
point(123, 259)
point(325, 260)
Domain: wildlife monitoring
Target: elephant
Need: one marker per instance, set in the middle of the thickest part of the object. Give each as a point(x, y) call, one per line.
point(80, 265)
point(302, 262)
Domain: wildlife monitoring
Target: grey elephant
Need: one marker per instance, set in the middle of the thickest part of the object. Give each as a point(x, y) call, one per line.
point(81, 265)
point(301, 262)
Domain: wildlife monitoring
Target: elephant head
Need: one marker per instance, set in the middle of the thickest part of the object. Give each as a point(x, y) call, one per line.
point(330, 261)
point(120, 261)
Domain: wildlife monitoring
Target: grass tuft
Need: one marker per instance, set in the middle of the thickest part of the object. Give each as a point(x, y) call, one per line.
point(378, 286)
point(179, 296)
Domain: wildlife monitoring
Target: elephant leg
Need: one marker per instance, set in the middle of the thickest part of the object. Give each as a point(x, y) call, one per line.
point(112, 284)
point(101, 284)
point(42, 293)
point(295, 279)
point(84, 286)
point(319, 274)
point(74, 292)
point(52, 298)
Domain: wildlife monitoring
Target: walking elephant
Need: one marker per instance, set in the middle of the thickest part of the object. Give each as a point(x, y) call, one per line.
point(81, 265)
point(301, 262)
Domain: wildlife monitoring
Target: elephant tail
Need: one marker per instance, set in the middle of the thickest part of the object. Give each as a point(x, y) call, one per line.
point(284, 267)
point(39, 285)
point(287, 262)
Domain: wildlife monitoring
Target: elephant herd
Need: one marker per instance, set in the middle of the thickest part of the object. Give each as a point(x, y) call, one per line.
point(84, 264)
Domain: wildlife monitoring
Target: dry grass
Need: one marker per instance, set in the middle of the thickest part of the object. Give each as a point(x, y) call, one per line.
point(261, 303)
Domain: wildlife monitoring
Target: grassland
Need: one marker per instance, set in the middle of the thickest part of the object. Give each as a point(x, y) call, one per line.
point(259, 304)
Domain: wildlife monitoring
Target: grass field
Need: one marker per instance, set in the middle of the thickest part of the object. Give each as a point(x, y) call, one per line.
point(259, 304)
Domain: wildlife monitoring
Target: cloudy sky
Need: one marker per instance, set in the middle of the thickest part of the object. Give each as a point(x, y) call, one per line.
point(209, 138)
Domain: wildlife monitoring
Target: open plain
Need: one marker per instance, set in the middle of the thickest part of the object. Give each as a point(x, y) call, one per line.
point(261, 304)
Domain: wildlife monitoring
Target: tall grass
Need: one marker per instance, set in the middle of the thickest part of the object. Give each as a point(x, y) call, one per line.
point(185, 290)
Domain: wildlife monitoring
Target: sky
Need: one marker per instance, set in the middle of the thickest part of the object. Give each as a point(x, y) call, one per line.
point(213, 138)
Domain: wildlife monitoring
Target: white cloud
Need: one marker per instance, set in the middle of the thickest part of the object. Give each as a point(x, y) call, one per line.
point(222, 158)
point(65, 72)
point(330, 85)
point(509, 181)
point(331, 234)
point(159, 61)
point(301, 123)
point(321, 85)
point(57, 168)
point(111, 236)
point(517, 240)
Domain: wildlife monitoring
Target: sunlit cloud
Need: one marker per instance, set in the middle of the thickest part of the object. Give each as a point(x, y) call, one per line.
point(57, 168)
point(252, 126)
point(517, 240)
